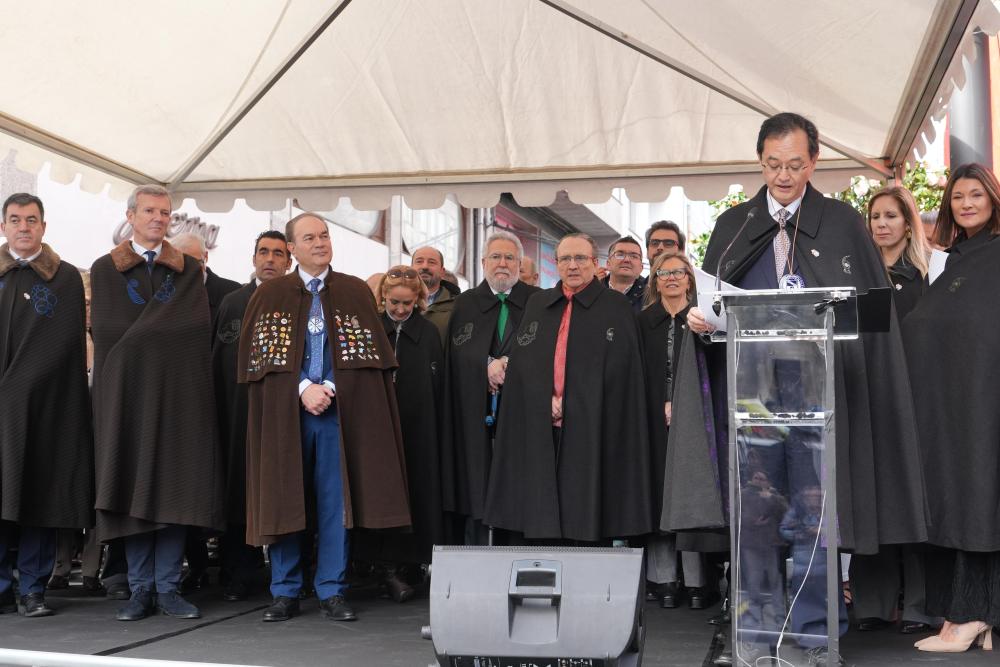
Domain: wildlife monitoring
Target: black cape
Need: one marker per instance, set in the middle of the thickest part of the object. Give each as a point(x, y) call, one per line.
point(953, 341)
point(472, 339)
point(418, 382)
point(231, 400)
point(217, 288)
point(597, 485)
point(46, 443)
point(654, 323)
point(158, 460)
point(880, 487)
point(907, 287)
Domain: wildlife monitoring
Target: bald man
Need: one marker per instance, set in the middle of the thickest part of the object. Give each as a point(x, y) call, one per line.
point(217, 287)
point(529, 276)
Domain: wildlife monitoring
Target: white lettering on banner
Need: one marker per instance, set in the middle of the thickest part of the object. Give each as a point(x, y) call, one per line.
point(180, 223)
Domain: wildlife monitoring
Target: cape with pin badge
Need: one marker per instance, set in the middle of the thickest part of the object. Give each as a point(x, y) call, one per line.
point(880, 494)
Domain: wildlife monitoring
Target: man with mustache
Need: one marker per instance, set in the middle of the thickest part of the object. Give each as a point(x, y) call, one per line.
point(479, 338)
point(158, 467)
point(46, 445)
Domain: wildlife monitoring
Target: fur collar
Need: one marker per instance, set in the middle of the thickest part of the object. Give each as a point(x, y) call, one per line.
point(45, 265)
point(124, 257)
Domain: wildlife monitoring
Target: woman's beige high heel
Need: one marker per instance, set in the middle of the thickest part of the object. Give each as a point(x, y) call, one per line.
point(962, 637)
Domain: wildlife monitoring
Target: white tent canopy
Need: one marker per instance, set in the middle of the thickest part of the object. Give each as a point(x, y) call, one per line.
point(366, 99)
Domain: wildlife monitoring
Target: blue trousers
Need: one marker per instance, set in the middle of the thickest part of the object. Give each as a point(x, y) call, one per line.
point(36, 555)
point(155, 559)
point(321, 477)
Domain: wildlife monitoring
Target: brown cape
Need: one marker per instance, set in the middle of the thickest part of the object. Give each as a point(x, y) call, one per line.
point(270, 359)
point(46, 442)
point(157, 450)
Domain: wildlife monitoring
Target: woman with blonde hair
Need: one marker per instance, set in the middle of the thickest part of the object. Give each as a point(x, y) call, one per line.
point(401, 296)
point(895, 226)
point(662, 325)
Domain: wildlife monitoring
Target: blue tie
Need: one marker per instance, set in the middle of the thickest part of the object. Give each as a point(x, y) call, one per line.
point(317, 326)
point(150, 256)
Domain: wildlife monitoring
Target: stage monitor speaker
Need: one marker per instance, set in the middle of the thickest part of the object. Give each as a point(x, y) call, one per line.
point(537, 607)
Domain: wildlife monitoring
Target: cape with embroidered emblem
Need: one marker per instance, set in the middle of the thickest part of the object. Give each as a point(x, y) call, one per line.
point(157, 451)
point(46, 444)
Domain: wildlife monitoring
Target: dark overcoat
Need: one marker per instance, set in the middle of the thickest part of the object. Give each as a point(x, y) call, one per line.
point(593, 482)
point(953, 342)
point(231, 400)
point(880, 487)
point(373, 469)
point(907, 287)
point(158, 458)
point(472, 340)
point(418, 382)
point(46, 441)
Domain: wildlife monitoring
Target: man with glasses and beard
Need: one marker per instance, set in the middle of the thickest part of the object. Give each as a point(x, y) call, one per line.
point(625, 270)
point(663, 236)
point(572, 457)
point(479, 340)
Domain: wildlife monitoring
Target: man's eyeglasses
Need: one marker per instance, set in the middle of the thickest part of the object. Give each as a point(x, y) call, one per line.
point(578, 259)
point(793, 168)
point(396, 274)
point(663, 243)
point(496, 257)
point(634, 256)
point(671, 273)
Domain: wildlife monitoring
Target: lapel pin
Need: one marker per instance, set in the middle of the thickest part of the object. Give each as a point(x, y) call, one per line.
point(815, 252)
point(27, 296)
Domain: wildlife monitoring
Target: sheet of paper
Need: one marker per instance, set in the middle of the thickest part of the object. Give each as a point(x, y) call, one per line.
point(938, 258)
point(706, 287)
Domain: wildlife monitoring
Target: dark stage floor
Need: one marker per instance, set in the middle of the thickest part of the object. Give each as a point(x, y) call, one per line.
point(387, 635)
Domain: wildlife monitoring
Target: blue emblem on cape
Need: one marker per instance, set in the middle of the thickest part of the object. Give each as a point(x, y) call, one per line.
point(133, 293)
point(167, 289)
point(43, 300)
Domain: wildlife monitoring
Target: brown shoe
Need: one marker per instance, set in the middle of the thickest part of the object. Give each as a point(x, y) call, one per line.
point(398, 590)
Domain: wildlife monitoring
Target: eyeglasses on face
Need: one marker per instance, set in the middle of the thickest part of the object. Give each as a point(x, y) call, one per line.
point(671, 273)
point(619, 255)
point(663, 243)
point(578, 259)
point(497, 256)
point(408, 274)
point(793, 168)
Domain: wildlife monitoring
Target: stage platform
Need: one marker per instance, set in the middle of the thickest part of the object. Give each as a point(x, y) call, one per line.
point(386, 635)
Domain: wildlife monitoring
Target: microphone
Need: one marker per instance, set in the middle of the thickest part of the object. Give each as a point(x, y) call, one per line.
point(717, 302)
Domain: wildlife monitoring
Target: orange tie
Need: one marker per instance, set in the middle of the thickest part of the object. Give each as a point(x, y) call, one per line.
point(559, 361)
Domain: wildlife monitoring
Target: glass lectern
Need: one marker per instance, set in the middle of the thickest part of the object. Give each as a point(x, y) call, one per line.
point(785, 588)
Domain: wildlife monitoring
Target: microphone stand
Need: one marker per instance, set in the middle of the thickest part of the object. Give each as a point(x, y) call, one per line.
point(717, 300)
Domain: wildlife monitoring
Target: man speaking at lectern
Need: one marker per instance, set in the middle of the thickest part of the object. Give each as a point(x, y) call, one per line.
point(790, 236)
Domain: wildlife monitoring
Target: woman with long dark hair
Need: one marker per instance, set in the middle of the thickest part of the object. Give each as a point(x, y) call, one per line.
point(952, 340)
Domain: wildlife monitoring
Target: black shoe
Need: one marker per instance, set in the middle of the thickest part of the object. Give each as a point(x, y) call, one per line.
point(119, 591)
point(914, 627)
point(139, 606)
point(8, 605)
point(336, 608)
point(172, 604)
point(654, 592)
point(92, 586)
point(235, 591)
point(193, 581)
point(282, 609)
point(398, 590)
point(820, 657)
point(702, 598)
point(872, 623)
point(57, 582)
point(32, 605)
point(673, 595)
point(721, 619)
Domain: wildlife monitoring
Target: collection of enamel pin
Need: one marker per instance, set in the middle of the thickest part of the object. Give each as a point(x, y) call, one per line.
point(355, 343)
point(272, 336)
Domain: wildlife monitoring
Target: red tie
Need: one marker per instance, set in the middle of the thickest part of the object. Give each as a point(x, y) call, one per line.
point(559, 361)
